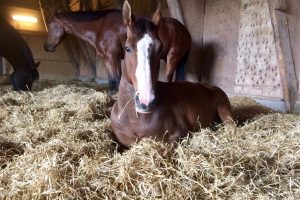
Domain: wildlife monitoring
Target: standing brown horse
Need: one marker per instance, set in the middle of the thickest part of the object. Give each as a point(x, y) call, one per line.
point(105, 31)
point(148, 108)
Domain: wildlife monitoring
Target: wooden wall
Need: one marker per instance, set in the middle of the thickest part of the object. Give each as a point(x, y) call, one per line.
point(241, 50)
point(194, 19)
point(53, 65)
point(293, 14)
point(221, 33)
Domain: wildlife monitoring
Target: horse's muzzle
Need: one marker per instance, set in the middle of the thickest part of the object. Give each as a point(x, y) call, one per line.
point(144, 107)
point(114, 86)
point(49, 47)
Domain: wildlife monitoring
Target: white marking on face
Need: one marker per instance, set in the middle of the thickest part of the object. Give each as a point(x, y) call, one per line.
point(57, 32)
point(143, 71)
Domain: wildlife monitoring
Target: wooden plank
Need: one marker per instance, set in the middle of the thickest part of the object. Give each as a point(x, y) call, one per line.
point(285, 57)
point(175, 10)
point(257, 71)
point(1, 66)
point(217, 58)
point(280, 5)
point(293, 16)
point(69, 44)
point(118, 4)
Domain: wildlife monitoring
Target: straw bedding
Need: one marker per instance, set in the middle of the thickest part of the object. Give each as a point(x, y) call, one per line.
point(55, 143)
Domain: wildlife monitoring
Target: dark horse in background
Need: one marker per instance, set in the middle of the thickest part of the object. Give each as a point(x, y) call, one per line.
point(15, 50)
point(146, 107)
point(106, 32)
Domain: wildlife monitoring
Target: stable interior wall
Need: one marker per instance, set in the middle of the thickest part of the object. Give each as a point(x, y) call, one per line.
point(56, 65)
point(53, 66)
point(293, 15)
point(220, 40)
point(238, 52)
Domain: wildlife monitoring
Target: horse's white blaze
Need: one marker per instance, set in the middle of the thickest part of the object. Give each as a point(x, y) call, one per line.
point(143, 71)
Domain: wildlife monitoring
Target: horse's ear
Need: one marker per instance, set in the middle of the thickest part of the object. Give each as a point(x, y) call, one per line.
point(37, 64)
point(127, 15)
point(157, 15)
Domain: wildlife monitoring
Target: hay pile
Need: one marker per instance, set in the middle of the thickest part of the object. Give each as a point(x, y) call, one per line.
point(55, 144)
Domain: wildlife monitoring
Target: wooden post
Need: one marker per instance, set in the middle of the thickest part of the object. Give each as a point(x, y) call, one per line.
point(176, 10)
point(280, 5)
point(284, 53)
point(118, 4)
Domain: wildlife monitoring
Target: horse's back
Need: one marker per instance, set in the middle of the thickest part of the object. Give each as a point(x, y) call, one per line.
point(174, 35)
point(84, 16)
point(13, 47)
point(186, 89)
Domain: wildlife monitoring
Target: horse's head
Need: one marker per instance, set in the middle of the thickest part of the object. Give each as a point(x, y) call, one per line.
point(142, 57)
point(22, 79)
point(55, 34)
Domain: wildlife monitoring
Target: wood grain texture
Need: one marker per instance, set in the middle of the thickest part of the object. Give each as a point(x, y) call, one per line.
point(285, 57)
point(221, 30)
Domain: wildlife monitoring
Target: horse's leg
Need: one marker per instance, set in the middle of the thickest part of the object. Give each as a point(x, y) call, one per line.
point(224, 110)
point(172, 63)
point(176, 60)
point(113, 67)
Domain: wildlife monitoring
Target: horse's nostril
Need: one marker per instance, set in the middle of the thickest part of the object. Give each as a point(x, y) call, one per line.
point(48, 47)
point(137, 100)
point(144, 105)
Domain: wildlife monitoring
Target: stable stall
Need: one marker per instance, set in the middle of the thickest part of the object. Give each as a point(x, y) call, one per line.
point(56, 142)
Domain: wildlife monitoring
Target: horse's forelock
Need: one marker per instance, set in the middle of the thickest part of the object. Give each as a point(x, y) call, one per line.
point(141, 27)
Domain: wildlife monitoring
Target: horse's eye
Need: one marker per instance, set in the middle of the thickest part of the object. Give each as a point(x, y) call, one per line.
point(127, 49)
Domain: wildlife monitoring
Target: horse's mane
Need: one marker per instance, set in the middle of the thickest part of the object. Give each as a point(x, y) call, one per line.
point(142, 25)
point(85, 15)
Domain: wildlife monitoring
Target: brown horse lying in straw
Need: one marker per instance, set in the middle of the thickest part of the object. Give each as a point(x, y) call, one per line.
point(148, 108)
point(105, 31)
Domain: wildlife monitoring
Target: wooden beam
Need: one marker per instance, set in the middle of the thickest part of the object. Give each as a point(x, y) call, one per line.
point(280, 5)
point(176, 10)
point(284, 54)
point(118, 4)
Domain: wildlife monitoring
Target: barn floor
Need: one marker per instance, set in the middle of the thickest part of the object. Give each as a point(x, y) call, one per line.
point(55, 144)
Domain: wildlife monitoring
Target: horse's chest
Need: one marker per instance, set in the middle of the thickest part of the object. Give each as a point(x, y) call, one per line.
point(139, 125)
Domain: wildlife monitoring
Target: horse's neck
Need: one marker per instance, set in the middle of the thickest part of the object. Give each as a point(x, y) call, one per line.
point(77, 29)
point(18, 54)
point(126, 92)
